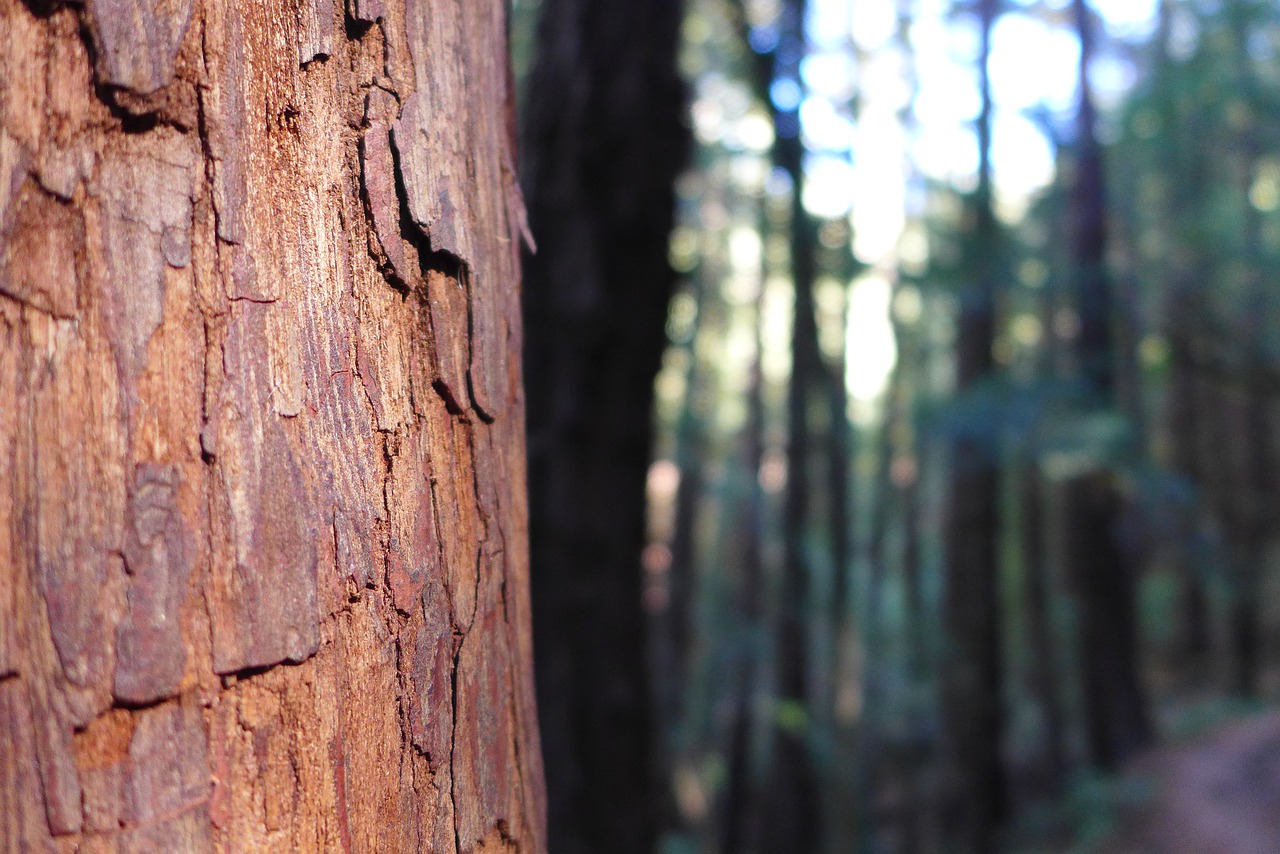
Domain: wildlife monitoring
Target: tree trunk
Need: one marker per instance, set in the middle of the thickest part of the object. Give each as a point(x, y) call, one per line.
point(791, 813)
point(739, 829)
point(1249, 519)
point(1185, 423)
point(974, 708)
point(1102, 567)
point(1039, 618)
point(263, 575)
point(605, 141)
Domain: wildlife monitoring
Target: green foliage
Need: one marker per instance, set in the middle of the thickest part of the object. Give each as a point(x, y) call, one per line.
point(791, 716)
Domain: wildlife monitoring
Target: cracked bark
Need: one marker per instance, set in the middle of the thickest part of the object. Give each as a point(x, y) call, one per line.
point(263, 571)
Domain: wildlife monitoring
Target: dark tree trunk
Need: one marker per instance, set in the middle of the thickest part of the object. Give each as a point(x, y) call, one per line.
point(1185, 426)
point(869, 765)
point(1249, 518)
point(740, 830)
point(917, 808)
point(604, 143)
point(973, 710)
point(1185, 325)
point(791, 821)
point(1040, 634)
point(1114, 702)
point(1101, 559)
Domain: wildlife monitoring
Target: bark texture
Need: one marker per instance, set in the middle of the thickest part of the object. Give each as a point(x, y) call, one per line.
point(263, 575)
point(605, 141)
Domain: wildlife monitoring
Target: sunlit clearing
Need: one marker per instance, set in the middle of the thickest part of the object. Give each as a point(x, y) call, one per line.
point(750, 172)
point(1130, 19)
point(831, 75)
point(752, 132)
point(948, 87)
point(745, 248)
point(682, 252)
point(913, 250)
point(1265, 192)
point(824, 126)
point(885, 83)
point(1023, 163)
point(947, 154)
point(723, 113)
point(1111, 78)
point(778, 308)
point(869, 343)
point(1019, 43)
point(1026, 330)
point(873, 24)
point(682, 317)
point(828, 23)
point(908, 305)
point(828, 186)
point(879, 216)
point(829, 295)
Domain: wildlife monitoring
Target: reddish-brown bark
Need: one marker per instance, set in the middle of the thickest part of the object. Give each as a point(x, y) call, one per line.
point(263, 572)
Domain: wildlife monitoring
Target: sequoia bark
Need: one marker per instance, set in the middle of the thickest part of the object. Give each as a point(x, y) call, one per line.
point(263, 573)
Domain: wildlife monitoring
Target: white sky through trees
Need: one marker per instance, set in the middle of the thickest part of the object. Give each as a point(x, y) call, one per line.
point(915, 117)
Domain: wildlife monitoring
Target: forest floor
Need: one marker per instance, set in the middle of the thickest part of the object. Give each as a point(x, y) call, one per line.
point(1218, 793)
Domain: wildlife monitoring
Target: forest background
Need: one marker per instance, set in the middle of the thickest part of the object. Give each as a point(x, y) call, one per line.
point(901, 384)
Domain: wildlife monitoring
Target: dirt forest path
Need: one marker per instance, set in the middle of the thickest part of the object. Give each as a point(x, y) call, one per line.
point(1217, 794)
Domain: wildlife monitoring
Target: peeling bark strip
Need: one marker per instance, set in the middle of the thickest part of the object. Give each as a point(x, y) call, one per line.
point(263, 572)
point(138, 40)
point(159, 548)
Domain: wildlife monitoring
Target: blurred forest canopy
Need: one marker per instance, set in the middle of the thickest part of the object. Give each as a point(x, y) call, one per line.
point(961, 486)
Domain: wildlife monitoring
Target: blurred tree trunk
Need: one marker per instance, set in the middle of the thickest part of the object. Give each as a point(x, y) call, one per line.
point(1102, 564)
point(906, 469)
point(1040, 587)
point(740, 830)
point(871, 768)
point(604, 143)
point(1185, 324)
point(973, 711)
point(837, 261)
point(791, 813)
point(263, 581)
point(840, 455)
point(677, 618)
point(1039, 618)
point(793, 797)
point(1249, 516)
